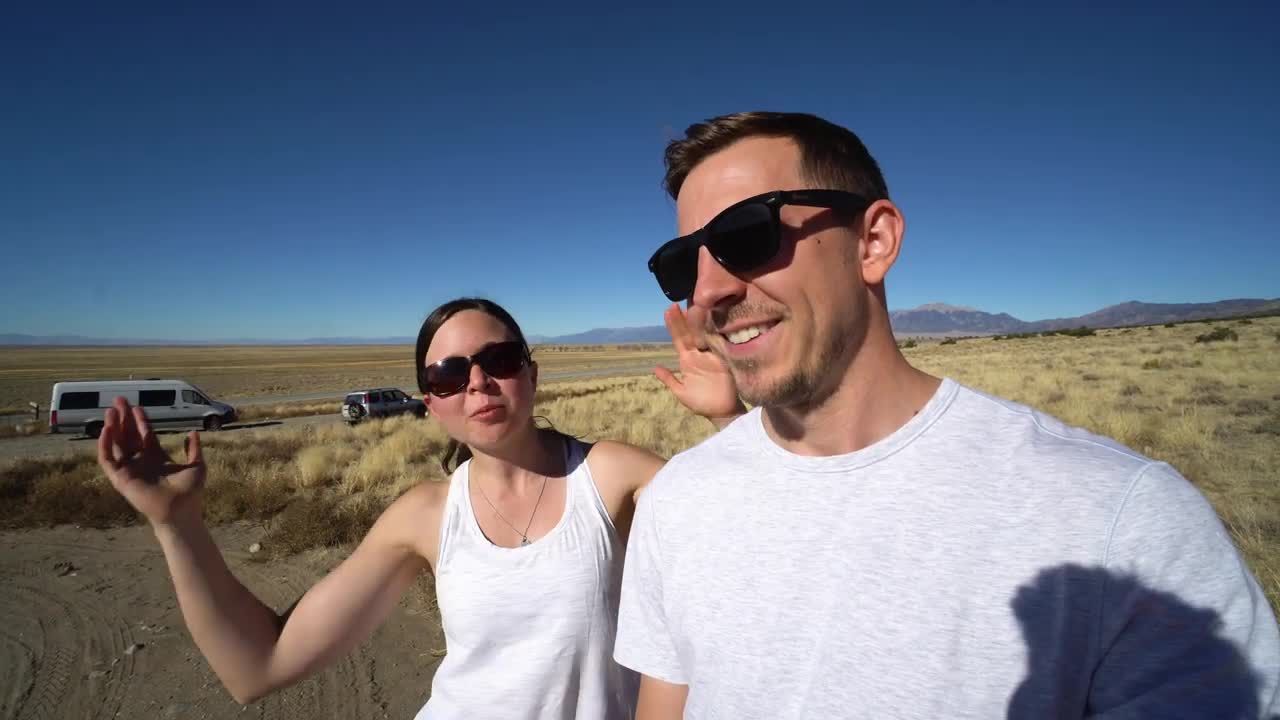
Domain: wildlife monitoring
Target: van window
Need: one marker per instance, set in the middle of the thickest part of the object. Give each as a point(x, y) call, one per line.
point(192, 397)
point(78, 401)
point(156, 398)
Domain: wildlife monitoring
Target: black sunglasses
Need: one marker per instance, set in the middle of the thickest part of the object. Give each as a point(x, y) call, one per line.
point(743, 237)
point(450, 375)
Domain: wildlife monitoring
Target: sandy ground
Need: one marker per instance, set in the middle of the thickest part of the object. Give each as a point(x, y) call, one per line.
point(91, 629)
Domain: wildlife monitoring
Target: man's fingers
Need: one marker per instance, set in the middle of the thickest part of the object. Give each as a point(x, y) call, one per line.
point(677, 327)
point(669, 379)
point(696, 326)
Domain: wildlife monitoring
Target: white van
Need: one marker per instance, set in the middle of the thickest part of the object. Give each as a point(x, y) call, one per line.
point(167, 403)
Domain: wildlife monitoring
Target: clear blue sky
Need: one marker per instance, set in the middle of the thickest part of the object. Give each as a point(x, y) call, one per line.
point(176, 173)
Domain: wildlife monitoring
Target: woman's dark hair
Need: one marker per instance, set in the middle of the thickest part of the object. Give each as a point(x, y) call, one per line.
point(455, 452)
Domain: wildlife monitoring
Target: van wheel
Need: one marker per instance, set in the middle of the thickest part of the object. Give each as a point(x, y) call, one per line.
point(93, 430)
point(213, 423)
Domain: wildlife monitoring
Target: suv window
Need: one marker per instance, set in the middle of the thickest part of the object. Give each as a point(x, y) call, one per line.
point(389, 396)
point(156, 398)
point(354, 399)
point(193, 397)
point(78, 401)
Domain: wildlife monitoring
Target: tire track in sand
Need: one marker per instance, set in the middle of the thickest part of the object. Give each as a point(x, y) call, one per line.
point(77, 663)
point(74, 600)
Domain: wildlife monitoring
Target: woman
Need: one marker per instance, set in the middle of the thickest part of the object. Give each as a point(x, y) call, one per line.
point(526, 540)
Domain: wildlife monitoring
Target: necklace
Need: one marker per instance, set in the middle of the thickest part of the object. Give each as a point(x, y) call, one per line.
point(524, 536)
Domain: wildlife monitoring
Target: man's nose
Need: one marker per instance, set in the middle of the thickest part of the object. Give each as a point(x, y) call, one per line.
point(715, 285)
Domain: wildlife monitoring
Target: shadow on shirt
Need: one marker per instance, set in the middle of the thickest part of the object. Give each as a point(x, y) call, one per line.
point(1149, 654)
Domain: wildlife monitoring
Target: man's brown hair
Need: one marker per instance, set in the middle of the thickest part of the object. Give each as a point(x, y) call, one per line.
point(831, 157)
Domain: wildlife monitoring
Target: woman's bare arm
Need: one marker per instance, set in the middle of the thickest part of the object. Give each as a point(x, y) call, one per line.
point(255, 651)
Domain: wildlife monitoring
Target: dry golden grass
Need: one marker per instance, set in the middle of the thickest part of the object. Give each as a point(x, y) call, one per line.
point(1210, 409)
point(27, 374)
point(315, 485)
point(24, 429)
point(255, 413)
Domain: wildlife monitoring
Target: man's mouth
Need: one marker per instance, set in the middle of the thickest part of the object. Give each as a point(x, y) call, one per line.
point(747, 333)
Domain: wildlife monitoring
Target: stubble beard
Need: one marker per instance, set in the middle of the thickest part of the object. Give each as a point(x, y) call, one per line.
point(803, 389)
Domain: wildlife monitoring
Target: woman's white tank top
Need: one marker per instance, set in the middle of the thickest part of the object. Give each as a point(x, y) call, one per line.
point(529, 631)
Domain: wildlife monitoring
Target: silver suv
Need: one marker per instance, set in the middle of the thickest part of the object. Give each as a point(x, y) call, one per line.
point(378, 403)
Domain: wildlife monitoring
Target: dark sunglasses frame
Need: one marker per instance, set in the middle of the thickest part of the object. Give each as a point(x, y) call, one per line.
point(485, 357)
point(677, 283)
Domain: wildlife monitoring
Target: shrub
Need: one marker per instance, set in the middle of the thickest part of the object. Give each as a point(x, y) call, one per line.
point(1245, 321)
point(1251, 406)
point(1217, 335)
point(1270, 426)
point(1081, 331)
point(1170, 325)
point(949, 341)
point(1152, 364)
point(907, 344)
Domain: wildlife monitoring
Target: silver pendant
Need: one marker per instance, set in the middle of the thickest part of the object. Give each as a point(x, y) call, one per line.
point(524, 540)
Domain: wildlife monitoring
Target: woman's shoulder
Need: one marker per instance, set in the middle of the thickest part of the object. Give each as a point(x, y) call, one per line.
point(422, 504)
point(414, 518)
point(427, 496)
point(618, 463)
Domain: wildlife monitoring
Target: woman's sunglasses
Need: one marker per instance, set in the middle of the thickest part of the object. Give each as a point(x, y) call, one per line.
point(743, 237)
point(500, 360)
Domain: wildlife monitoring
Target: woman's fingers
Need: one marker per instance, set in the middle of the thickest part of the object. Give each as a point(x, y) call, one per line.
point(107, 447)
point(194, 454)
point(146, 438)
point(127, 439)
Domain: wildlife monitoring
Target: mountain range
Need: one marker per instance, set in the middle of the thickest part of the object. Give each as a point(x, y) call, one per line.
point(938, 319)
point(931, 319)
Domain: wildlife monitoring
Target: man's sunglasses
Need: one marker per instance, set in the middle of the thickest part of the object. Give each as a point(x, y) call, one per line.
point(743, 237)
point(452, 374)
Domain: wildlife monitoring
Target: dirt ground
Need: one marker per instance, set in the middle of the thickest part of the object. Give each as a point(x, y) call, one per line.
point(91, 629)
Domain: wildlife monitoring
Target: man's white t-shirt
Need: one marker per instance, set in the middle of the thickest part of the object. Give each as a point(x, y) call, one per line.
point(984, 561)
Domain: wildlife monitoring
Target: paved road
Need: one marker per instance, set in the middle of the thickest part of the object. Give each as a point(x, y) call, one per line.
point(46, 445)
point(334, 394)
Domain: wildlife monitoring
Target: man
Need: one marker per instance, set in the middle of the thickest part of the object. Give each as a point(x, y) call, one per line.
point(870, 541)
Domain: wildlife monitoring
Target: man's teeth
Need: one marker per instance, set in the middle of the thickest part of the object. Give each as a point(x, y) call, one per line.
point(737, 337)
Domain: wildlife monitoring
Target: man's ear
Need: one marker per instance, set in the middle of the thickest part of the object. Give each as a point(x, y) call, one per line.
point(881, 241)
point(533, 374)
